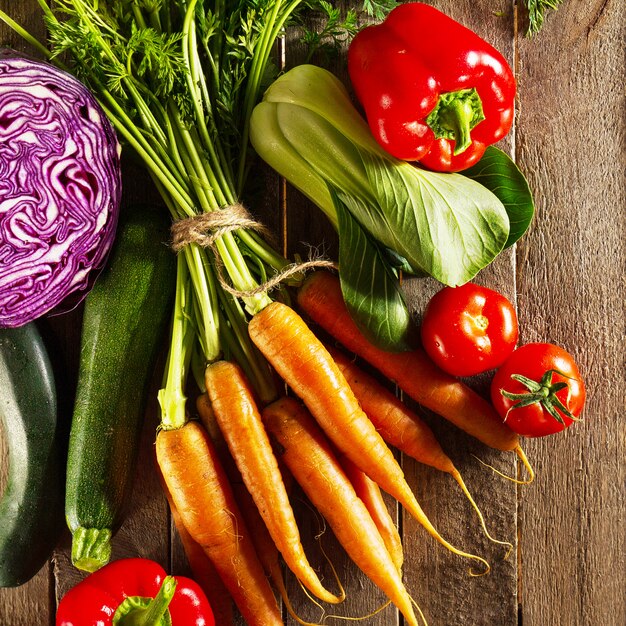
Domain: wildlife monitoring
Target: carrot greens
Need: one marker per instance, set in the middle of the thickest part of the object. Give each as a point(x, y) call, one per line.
point(537, 12)
point(179, 81)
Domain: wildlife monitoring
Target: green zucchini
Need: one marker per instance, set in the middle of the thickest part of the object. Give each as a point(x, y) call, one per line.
point(31, 509)
point(124, 323)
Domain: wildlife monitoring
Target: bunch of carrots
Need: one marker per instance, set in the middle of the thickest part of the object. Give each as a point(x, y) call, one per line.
point(228, 476)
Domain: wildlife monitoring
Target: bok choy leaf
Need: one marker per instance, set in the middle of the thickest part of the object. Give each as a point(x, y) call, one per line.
point(498, 172)
point(370, 285)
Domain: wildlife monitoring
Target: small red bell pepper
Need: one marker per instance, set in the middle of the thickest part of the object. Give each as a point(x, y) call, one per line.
point(134, 592)
point(433, 91)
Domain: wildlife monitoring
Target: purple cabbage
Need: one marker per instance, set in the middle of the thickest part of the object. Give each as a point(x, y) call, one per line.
point(60, 189)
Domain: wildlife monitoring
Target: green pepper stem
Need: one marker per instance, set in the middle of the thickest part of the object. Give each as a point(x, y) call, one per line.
point(155, 612)
point(454, 117)
point(458, 117)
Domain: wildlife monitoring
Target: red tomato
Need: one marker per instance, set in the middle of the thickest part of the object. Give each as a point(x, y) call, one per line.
point(469, 329)
point(549, 396)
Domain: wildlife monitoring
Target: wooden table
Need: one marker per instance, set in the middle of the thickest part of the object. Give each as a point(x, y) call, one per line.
point(567, 279)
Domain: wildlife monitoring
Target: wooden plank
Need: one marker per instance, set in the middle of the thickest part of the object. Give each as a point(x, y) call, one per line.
point(29, 603)
point(438, 580)
point(145, 531)
point(308, 232)
point(571, 292)
point(445, 590)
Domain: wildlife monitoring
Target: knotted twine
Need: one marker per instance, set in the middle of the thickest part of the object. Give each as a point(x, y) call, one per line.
point(206, 228)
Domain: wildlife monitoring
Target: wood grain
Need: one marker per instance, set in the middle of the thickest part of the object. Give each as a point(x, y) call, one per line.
point(567, 278)
point(307, 226)
point(571, 292)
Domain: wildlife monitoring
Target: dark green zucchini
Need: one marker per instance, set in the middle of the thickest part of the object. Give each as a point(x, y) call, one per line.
point(31, 509)
point(124, 324)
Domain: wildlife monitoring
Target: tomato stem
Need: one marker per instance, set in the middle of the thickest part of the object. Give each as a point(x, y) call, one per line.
point(542, 392)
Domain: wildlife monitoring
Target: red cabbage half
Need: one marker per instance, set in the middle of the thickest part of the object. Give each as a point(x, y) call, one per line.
point(60, 188)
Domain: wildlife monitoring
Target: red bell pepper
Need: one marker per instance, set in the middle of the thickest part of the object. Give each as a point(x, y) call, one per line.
point(134, 592)
point(433, 91)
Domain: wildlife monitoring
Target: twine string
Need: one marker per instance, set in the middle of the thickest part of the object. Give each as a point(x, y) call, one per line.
point(205, 229)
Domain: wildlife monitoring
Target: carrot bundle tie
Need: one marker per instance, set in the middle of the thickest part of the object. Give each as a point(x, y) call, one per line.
point(204, 229)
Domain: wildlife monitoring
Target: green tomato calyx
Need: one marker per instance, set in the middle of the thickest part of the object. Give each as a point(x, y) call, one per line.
point(542, 392)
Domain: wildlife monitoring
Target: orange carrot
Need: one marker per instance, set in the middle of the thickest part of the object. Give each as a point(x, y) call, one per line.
point(209, 421)
point(413, 371)
point(263, 543)
point(200, 491)
point(397, 425)
point(204, 572)
point(304, 363)
point(369, 493)
point(207, 417)
point(401, 427)
point(309, 456)
point(321, 298)
point(265, 547)
point(240, 423)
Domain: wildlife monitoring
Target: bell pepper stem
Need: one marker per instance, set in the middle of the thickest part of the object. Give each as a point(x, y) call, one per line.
point(458, 116)
point(454, 117)
point(154, 612)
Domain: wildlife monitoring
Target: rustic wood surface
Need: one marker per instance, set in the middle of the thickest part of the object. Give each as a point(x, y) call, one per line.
point(567, 278)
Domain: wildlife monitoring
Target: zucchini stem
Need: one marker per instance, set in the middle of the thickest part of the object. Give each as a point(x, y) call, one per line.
point(91, 548)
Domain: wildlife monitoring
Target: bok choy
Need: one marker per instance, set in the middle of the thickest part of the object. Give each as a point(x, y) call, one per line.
point(389, 214)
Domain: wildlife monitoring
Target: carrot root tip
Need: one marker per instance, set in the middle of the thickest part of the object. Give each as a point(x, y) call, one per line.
point(475, 574)
point(522, 456)
point(282, 590)
point(459, 479)
point(420, 612)
point(358, 618)
point(529, 468)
